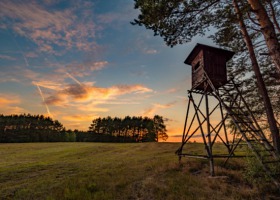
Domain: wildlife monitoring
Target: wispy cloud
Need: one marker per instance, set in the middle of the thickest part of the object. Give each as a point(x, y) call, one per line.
point(48, 84)
point(7, 57)
point(150, 51)
point(50, 28)
point(31, 55)
point(54, 78)
point(116, 18)
point(82, 69)
point(140, 72)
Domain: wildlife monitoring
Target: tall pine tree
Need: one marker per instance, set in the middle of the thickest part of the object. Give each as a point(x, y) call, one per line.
point(178, 21)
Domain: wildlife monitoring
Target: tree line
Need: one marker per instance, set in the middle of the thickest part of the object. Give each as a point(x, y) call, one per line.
point(132, 129)
point(32, 128)
point(39, 128)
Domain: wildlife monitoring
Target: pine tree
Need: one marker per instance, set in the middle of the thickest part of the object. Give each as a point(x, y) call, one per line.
point(178, 21)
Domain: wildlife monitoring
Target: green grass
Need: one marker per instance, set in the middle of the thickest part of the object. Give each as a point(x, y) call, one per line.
point(116, 171)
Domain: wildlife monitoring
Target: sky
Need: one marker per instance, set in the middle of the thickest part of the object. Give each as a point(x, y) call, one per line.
point(76, 60)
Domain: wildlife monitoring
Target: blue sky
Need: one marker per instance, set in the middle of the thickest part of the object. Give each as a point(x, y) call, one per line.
point(78, 60)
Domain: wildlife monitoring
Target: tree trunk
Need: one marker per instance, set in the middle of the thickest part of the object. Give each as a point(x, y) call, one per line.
point(268, 31)
point(262, 88)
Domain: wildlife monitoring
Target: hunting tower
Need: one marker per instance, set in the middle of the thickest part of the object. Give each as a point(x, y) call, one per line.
point(211, 60)
point(215, 101)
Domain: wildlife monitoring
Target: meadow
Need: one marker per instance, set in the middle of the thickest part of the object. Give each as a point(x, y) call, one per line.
point(118, 171)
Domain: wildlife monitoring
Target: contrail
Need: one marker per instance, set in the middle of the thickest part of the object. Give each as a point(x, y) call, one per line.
point(41, 93)
point(24, 57)
point(73, 78)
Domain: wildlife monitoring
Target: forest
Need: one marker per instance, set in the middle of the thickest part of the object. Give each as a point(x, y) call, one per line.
point(38, 128)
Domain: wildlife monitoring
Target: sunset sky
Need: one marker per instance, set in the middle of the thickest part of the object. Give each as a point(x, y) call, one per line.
point(78, 60)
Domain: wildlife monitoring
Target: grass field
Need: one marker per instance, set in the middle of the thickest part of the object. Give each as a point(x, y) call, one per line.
point(116, 171)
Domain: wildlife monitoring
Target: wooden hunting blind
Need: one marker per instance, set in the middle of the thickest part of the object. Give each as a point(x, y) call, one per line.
point(213, 102)
point(211, 60)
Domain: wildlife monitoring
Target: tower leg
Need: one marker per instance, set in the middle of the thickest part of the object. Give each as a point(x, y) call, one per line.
point(209, 142)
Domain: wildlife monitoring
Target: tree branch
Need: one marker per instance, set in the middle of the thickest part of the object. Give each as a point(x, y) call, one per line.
point(198, 11)
point(273, 16)
point(252, 20)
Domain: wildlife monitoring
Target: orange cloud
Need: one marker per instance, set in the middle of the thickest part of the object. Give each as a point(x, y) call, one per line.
point(91, 108)
point(9, 104)
point(78, 118)
point(156, 107)
point(83, 93)
point(124, 89)
point(14, 110)
point(6, 100)
point(58, 100)
point(172, 90)
point(79, 92)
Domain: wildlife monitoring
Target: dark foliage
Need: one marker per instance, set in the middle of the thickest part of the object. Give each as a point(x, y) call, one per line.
point(129, 129)
point(31, 128)
point(38, 128)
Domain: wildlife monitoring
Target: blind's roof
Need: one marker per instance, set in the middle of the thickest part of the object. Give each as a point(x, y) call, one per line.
point(199, 47)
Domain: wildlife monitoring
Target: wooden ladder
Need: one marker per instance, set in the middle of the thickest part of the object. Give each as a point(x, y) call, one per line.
point(245, 123)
